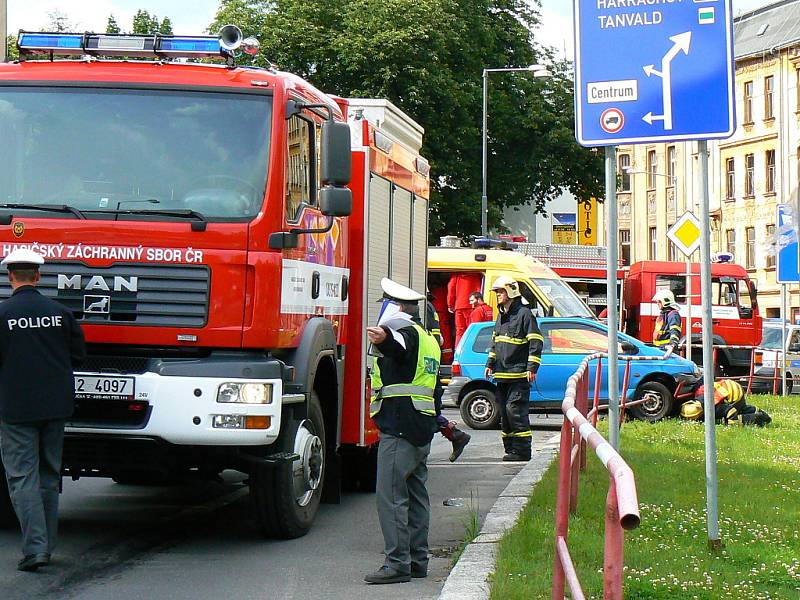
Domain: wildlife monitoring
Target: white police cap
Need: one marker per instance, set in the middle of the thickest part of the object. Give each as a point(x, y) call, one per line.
point(395, 291)
point(23, 257)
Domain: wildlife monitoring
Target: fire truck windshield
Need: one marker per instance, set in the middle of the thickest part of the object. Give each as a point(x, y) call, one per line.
point(125, 151)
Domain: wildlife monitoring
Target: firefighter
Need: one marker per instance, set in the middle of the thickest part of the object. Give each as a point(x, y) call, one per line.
point(514, 358)
point(404, 406)
point(667, 331)
point(40, 344)
point(459, 289)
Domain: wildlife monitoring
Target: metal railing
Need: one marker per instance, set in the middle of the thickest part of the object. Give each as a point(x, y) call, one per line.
point(622, 505)
point(751, 377)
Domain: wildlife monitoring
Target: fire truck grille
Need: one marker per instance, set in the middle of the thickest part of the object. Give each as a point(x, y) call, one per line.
point(127, 294)
point(114, 364)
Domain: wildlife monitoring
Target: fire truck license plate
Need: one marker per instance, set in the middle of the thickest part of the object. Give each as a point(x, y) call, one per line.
point(103, 388)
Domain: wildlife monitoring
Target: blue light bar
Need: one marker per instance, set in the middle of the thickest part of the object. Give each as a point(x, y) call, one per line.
point(48, 41)
point(189, 45)
point(139, 46)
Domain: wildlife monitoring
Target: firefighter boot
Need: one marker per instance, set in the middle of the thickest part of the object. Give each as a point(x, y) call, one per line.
point(460, 441)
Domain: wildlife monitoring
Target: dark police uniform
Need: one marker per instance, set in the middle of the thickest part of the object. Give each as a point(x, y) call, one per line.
point(40, 343)
point(404, 407)
point(516, 349)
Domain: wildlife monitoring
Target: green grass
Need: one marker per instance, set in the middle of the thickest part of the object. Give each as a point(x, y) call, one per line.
point(668, 557)
point(472, 527)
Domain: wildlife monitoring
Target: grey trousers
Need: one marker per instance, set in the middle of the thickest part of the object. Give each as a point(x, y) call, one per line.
point(404, 510)
point(31, 455)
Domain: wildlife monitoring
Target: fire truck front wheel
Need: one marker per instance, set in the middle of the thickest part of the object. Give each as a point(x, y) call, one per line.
point(286, 496)
point(658, 402)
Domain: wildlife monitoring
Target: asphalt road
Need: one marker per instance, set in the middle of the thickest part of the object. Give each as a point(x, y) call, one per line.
point(197, 541)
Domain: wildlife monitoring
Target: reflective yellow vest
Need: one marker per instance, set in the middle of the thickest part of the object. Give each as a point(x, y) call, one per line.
point(421, 388)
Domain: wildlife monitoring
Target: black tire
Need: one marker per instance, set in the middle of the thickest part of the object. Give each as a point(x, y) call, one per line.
point(286, 496)
point(8, 517)
point(660, 402)
point(479, 409)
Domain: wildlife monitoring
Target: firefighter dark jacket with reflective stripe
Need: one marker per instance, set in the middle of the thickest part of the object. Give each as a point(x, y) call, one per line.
point(516, 343)
point(667, 331)
point(40, 344)
point(404, 382)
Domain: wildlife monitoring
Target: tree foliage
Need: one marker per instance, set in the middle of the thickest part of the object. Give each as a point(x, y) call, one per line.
point(427, 57)
point(165, 28)
point(112, 26)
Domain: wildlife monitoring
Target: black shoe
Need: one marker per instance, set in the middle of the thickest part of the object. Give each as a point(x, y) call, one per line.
point(514, 457)
point(387, 574)
point(418, 571)
point(31, 562)
point(459, 444)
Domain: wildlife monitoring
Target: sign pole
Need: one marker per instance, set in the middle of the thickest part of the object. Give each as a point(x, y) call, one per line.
point(689, 308)
point(782, 355)
point(712, 515)
point(611, 295)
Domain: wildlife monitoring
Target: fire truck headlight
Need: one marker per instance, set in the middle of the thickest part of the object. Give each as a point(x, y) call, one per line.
point(245, 393)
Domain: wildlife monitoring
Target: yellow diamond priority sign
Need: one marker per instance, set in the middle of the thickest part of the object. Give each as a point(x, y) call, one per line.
point(685, 233)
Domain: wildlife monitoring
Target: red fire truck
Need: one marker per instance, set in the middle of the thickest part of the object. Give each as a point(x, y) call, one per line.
point(220, 233)
point(736, 319)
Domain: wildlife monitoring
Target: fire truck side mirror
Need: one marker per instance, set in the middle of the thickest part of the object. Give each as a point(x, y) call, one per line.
point(335, 154)
point(335, 201)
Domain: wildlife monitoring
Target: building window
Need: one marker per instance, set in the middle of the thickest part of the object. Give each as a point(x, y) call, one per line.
point(730, 242)
point(651, 236)
point(749, 174)
point(730, 179)
point(672, 164)
point(797, 73)
point(769, 103)
point(625, 246)
point(624, 173)
point(771, 246)
point(652, 166)
point(673, 249)
point(770, 183)
point(750, 254)
point(748, 101)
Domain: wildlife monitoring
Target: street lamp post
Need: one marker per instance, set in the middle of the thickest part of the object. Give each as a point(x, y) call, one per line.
point(3, 28)
point(538, 71)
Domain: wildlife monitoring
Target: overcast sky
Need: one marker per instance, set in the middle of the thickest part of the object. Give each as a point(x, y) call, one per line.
point(193, 16)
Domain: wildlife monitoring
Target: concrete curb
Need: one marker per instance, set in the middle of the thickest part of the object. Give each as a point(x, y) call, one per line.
point(469, 579)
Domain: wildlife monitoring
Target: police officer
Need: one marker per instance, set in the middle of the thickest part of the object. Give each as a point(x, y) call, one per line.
point(514, 358)
point(667, 330)
point(403, 406)
point(40, 343)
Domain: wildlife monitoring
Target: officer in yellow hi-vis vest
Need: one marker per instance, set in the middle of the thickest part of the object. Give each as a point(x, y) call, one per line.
point(404, 381)
point(514, 358)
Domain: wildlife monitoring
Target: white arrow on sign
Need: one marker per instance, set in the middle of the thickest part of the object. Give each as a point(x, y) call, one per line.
point(680, 43)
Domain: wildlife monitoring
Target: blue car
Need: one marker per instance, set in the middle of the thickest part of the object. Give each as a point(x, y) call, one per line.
point(567, 341)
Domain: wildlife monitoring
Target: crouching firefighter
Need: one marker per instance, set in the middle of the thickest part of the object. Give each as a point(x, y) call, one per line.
point(514, 357)
point(404, 406)
point(729, 405)
point(667, 331)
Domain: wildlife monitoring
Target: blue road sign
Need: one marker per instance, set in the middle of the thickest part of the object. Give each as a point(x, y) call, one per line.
point(653, 70)
point(786, 246)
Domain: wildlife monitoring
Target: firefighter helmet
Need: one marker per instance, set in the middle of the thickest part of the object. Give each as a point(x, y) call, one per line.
point(730, 391)
point(504, 282)
point(693, 409)
point(666, 298)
